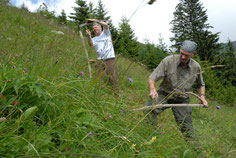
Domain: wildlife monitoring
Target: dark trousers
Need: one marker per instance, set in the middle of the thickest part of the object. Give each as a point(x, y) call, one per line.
point(109, 66)
point(183, 115)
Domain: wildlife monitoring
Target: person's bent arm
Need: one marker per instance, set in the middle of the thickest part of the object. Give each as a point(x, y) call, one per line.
point(90, 42)
point(104, 24)
point(202, 96)
point(153, 92)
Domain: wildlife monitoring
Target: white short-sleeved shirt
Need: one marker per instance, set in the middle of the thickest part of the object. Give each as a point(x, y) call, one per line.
point(103, 45)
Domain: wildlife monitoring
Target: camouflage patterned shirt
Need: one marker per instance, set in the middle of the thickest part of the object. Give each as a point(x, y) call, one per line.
point(177, 77)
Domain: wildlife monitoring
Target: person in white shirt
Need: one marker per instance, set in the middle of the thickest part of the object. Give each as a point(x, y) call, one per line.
point(103, 45)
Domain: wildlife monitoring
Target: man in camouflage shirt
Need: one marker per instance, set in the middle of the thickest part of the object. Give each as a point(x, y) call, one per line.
point(178, 73)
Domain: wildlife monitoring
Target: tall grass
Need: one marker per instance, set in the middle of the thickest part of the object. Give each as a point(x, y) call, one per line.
point(52, 111)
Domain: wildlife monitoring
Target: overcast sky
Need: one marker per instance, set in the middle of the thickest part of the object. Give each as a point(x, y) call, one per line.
point(151, 20)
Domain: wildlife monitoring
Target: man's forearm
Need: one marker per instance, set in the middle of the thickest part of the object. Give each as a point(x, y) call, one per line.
point(202, 91)
point(151, 84)
point(202, 96)
point(104, 24)
point(90, 42)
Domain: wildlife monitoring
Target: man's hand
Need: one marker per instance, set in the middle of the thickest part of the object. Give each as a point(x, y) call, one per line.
point(88, 33)
point(204, 102)
point(90, 42)
point(153, 93)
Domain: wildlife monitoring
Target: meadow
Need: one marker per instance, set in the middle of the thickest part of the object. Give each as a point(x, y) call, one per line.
point(50, 109)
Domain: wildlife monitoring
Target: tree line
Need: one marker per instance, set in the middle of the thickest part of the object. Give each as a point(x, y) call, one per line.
point(189, 22)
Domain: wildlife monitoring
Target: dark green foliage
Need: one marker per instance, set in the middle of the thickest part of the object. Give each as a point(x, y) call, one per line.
point(62, 18)
point(92, 11)
point(207, 45)
point(81, 12)
point(189, 18)
point(151, 55)
point(127, 43)
point(162, 45)
point(218, 87)
point(227, 58)
point(101, 12)
point(190, 22)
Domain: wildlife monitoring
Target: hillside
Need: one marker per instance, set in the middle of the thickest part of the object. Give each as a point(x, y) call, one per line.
point(49, 110)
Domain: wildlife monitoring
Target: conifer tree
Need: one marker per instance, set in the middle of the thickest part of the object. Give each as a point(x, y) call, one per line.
point(190, 22)
point(62, 18)
point(81, 12)
point(92, 10)
point(127, 43)
point(101, 12)
point(228, 58)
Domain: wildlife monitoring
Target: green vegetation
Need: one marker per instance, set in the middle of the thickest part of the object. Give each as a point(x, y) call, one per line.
point(49, 109)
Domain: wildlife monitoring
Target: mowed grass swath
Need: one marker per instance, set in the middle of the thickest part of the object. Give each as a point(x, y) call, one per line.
point(50, 107)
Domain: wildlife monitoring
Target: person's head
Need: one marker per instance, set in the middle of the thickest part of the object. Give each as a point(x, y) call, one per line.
point(97, 29)
point(187, 50)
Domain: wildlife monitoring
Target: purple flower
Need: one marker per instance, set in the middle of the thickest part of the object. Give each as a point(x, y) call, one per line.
point(161, 133)
point(123, 112)
point(162, 126)
point(90, 134)
point(3, 119)
point(81, 73)
point(25, 69)
point(131, 80)
point(218, 107)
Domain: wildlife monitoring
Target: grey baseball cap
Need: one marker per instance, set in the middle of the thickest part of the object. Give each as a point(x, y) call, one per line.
point(189, 46)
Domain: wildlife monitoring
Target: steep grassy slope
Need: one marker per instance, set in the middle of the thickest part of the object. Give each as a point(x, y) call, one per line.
point(72, 116)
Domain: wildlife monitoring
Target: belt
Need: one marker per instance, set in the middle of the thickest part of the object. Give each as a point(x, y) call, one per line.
point(175, 96)
point(105, 59)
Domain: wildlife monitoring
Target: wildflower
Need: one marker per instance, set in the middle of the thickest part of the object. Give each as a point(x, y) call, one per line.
point(218, 107)
point(90, 134)
point(174, 156)
point(133, 146)
point(131, 80)
point(25, 69)
point(161, 133)
point(107, 116)
point(3, 119)
point(162, 126)
point(81, 73)
point(153, 139)
point(125, 138)
point(15, 102)
point(123, 112)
